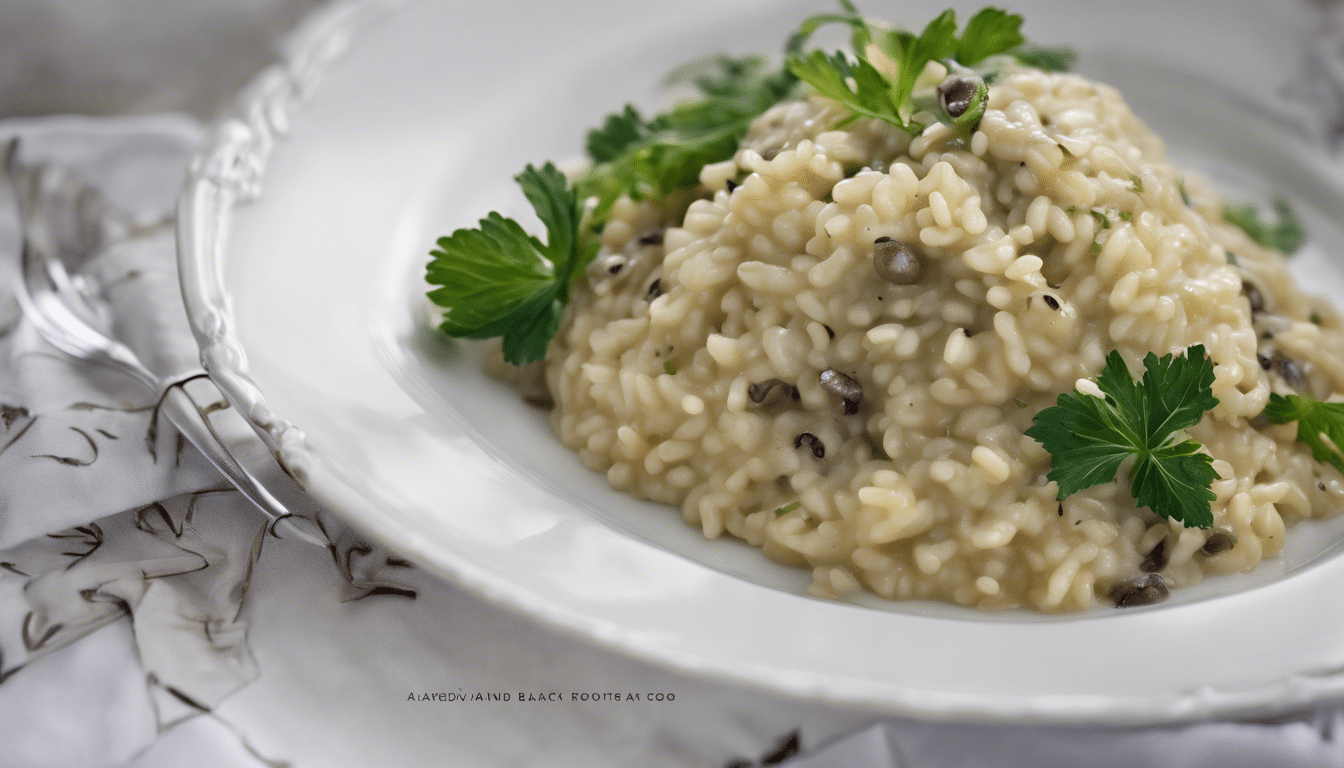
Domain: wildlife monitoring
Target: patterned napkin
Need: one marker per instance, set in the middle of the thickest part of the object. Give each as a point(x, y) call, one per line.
point(148, 619)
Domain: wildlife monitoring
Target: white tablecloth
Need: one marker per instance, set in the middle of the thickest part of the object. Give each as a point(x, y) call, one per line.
point(147, 620)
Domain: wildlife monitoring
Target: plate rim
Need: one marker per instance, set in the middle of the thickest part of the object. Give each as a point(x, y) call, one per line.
point(228, 172)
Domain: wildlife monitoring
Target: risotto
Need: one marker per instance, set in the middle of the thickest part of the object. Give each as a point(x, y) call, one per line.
point(865, 344)
point(836, 353)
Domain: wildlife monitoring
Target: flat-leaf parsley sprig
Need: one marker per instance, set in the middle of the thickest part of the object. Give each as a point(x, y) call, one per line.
point(1317, 422)
point(649, 158)
point(498, 280)
point(1283, 231)
point(1089, 437)
point(860, 86)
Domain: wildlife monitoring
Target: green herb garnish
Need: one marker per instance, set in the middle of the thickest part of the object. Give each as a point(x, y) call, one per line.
point(879, 452)
point(500, 281)
point(648, 158)
point(787, 508)
point(1089, 437)
point(1284, 233)
point(1138, 184)
point(1103, 222)
point(1050, 59)
point(496, 280)
point(858, 86)
point(867, 92)
point(1316, 423)
point(670, 368)
point(990, 32)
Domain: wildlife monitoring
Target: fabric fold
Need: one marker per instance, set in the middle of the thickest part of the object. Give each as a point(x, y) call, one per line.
point(131, 575)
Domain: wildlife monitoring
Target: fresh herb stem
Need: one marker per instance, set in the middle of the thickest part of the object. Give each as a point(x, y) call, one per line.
point(497, 280)
point(1319, 425)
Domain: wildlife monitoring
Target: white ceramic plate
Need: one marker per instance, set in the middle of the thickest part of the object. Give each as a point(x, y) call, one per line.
point(304, 231)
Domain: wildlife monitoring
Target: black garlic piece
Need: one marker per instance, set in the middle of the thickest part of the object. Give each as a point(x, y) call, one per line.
point(843, 387)
point(771, 391)
point(1156, 559)
point(1254, 296)
point(897, 263)
point(1289, 370)
point(811, 441)
point(607, 266)
point(1140, 590)
point(1218, 541)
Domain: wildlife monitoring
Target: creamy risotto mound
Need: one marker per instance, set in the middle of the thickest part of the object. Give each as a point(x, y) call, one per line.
point(835, 355)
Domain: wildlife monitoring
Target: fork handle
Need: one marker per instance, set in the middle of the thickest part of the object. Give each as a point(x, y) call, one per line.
point(192, 421)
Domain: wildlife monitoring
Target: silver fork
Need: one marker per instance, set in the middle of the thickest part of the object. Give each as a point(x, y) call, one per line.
point(66, 317)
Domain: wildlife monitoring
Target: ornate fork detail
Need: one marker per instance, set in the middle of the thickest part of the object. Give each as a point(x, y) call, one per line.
point(66, 318)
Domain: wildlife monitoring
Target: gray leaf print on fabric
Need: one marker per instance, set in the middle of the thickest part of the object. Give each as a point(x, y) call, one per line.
point(367, 568)
point(176, 570)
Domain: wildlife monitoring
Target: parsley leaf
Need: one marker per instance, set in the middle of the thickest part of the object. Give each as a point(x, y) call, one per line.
point(1049, 59)
point(867, 92)
point(1314, 419)
point(619, 134)
point(830, 76)
point(497, 280)
point(989, 32)
point(1089, 437)
point(911, 54)
point(851, 16)
point(648, 158)
point(1284, 233)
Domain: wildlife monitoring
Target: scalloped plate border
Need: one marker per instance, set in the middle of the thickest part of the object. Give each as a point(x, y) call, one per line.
point(229, 172)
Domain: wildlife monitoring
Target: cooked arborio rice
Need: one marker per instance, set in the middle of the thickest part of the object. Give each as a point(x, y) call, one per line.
point(930, 489)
